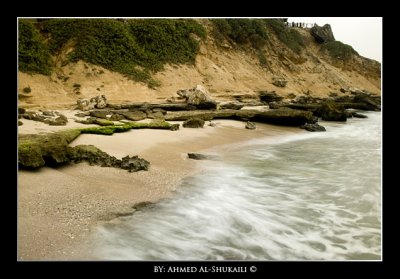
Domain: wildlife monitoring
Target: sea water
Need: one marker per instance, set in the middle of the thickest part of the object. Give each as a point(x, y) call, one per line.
point(307, 196)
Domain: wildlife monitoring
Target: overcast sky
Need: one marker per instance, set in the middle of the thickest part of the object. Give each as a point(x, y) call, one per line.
point(364, 34)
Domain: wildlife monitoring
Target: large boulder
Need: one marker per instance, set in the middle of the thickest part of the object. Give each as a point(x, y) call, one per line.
point(313, 127)
point(95, 102)
point(35, 151)
point(134, 163)
point(193, 123)
point(269, 96)
point(198, 97)
point(322, 34)
point(329, 111)
point(250, 125)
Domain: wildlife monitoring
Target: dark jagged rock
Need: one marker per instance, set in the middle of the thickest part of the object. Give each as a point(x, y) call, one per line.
point(99, 113)
point(269, 96)
point(231, 105)
point(193, 123)
point(92, 155)
point(197, 156)
point(313, 120)
point(250, 125)
point(313, 127)
point(358, 115)
point(174, 127)
point(134, 163)
point(95, 156)
point(329, 111)
point(21, 110)
point(20, 123)
point(322, 34)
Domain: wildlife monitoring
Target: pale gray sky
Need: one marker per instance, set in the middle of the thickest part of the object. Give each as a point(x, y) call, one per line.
point(364, 34)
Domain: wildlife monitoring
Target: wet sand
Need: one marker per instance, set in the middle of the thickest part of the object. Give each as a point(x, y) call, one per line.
point(58, 209)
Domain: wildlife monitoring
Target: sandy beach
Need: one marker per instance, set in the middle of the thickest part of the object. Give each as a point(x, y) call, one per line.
point(58, 208)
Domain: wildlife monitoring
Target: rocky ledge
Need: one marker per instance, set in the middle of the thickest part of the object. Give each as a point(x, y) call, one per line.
point(35, 151)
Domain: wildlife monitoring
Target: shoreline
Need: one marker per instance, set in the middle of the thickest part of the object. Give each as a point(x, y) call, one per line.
point(59, 208)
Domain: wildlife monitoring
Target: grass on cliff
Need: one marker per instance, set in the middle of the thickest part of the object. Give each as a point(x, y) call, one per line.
point(136, 48)
point(290, 37)
point(33, 53)
point(255, 32)
point(339, 50)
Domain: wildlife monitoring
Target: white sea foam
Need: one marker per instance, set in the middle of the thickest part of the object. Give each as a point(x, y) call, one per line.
point(313, 196)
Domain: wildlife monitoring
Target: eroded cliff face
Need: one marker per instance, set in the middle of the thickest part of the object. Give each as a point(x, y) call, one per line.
point(225, 68)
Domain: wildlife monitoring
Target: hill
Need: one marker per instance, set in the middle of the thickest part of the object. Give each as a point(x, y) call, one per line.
point(137, 60)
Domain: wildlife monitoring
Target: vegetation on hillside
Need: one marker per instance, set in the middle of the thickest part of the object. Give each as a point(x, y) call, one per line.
point(134, 47)
point(339, 50)
point(33, 53)
point(290, 37)
point(255, 32)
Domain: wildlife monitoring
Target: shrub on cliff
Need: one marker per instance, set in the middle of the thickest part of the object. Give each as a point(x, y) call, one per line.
point(33, 54)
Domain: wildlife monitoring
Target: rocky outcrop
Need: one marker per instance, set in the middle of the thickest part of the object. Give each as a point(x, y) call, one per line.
point(197, 156)
point(52, 149)
point(95, 102)
point(193, 123)
point(250, 125)
point(283, 116)
point(269, 96)
point(20, 123)
point(329, 111)
point(313, 127)
point(134, 163)
point(322, 34)
point(51, 118)
point(94, 156)
point(198, 97)
point(35, 151)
